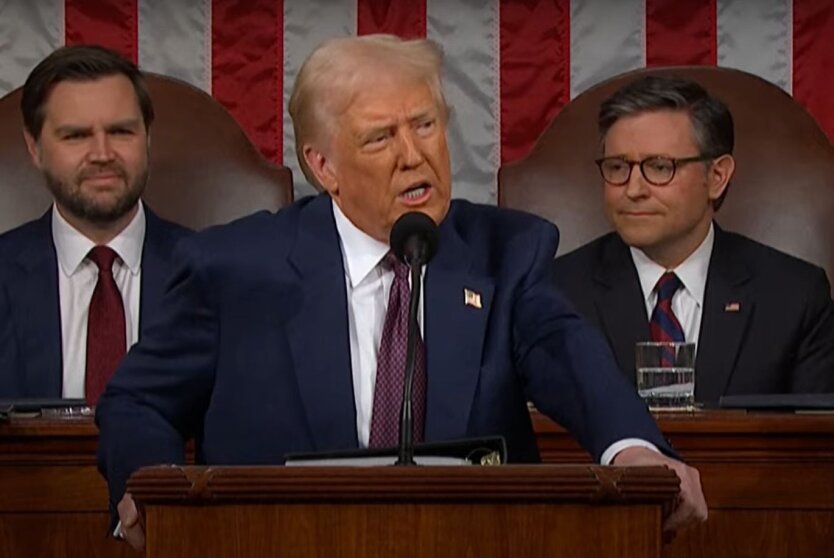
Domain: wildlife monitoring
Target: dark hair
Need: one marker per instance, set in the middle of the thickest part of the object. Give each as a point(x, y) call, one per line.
point(78, 63)
point(712, 122)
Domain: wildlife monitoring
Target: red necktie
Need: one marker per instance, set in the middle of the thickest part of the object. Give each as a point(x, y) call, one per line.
point(106, 337)
point(664, 325)
point(390, 370)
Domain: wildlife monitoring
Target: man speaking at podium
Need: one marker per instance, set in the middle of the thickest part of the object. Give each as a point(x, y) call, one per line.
point(279, 330)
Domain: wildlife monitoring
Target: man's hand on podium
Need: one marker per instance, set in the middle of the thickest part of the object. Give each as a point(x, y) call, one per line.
point(691, 506)
point(131, 522)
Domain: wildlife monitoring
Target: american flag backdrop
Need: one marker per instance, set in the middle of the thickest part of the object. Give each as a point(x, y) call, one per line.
point(511, 65)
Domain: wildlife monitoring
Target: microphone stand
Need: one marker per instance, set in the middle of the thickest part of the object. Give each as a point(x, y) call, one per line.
point(406, 445)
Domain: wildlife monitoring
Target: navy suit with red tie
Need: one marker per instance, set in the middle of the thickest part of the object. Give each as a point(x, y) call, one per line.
point(767, 324)
point(31, 361)
point(251, 353)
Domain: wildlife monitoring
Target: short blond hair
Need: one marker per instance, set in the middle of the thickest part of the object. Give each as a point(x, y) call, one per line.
point(339, 66)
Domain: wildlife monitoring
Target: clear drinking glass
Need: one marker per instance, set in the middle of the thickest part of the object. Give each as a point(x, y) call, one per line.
point(666, 374)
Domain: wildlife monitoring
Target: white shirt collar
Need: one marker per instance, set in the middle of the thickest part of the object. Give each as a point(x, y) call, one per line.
point(692, 271)
point(72, 247)
point(361, 253)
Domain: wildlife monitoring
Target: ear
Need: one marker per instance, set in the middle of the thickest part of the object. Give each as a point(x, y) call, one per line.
point(322, 168)
point(719, 175)
point(33, 148)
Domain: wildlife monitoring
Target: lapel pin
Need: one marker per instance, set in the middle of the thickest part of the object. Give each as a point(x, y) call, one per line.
point(732, 307)
point(471, 298)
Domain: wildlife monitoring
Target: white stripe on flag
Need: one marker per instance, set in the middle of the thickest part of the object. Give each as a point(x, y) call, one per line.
point(306, 24)
point(467, 30)
point(606, 39)
point(755, 36)
point(28, 32)
point(175, 39)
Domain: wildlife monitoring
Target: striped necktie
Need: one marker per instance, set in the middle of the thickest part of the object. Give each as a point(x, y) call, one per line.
point(664, 325)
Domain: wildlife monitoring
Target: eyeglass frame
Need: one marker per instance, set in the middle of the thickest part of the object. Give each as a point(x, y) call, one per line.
point(675, 163)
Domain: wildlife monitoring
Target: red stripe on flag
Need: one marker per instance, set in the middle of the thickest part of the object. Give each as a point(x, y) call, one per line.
point(404, 19)
point(813, 60)
point(681, 32)
point(109, 23)
point(247, 55)
point(535, 71)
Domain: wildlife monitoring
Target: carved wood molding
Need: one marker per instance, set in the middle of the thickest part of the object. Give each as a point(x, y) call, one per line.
point(504, 484)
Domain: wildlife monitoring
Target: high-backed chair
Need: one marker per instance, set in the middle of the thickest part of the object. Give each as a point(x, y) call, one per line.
point(782, 193)
point(203, 168)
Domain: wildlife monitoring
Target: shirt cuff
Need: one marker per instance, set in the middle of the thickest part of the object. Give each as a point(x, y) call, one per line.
point(117, 532)
point(615, 448)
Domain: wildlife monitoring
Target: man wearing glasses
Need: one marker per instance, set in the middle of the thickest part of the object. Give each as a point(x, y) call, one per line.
point(762, 321)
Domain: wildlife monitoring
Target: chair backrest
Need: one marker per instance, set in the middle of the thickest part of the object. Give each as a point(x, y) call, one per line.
point(782, 193)
point(203, 168)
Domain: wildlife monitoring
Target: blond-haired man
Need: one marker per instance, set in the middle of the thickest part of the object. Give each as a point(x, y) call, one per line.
point(275, 338)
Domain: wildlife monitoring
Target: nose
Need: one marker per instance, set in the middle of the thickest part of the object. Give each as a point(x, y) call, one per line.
point(636, 187)
point(101, 149)
point(411, 154)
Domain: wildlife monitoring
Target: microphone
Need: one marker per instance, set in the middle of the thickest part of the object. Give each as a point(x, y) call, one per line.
point(414, 241)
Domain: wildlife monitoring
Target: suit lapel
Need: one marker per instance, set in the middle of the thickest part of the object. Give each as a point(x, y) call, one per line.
point(36, 294)
point(156, 253)
point(726, 313)
point(318, 333)
point(454, 335)
point(619, 303)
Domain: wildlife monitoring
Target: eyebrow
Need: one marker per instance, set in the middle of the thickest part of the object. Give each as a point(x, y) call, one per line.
point(131, 123)
point(414, 117)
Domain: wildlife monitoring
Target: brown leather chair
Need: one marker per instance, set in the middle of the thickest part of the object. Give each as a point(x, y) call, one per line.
point(782, 193)
point(203, 168)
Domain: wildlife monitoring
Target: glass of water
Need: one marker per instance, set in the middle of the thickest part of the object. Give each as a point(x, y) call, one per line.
point(666, 375)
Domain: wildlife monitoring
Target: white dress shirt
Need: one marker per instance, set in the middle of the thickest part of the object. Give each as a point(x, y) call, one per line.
point(688, 302)
point(368, 284)
point(77, 278)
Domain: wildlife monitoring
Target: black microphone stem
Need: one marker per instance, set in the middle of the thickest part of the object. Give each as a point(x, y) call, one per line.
point(406, 446)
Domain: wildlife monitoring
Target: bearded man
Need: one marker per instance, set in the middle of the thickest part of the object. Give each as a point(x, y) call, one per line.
point(76, 284)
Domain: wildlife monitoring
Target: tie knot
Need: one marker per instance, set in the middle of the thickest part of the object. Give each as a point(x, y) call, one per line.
point(667, 286)
point(392, 262)
point(103, 257)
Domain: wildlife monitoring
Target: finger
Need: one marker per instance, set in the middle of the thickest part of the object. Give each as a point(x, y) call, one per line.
point(135, 536)
point(128, 514)
point(132, 528)
point(677, 519)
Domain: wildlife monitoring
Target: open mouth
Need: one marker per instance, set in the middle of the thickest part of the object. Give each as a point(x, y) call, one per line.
point(416, 194)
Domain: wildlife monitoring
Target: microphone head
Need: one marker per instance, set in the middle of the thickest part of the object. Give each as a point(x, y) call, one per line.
point(414, 238)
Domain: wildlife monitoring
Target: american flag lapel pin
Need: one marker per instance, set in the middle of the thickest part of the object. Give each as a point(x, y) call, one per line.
point(471, 298)
point(732, 307)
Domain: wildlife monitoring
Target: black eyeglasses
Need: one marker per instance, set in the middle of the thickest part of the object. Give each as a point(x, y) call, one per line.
point(656, 170)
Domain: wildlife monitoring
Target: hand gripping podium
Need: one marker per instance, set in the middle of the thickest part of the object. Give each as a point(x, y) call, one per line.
point(363, 512)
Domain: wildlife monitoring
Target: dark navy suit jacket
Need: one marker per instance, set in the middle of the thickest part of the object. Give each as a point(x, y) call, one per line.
point(31, 362)
point(767, 324)
point(251, 352)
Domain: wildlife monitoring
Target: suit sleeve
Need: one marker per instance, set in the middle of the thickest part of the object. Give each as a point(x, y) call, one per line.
point(157, 398)
point(10, 368)
point(568, 369)
point(814, 370)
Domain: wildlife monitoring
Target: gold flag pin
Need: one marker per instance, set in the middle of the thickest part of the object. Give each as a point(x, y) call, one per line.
point(471, 298)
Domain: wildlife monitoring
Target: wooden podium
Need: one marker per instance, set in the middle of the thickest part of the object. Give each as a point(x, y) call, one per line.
point(504, 511)
point(768, 480)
